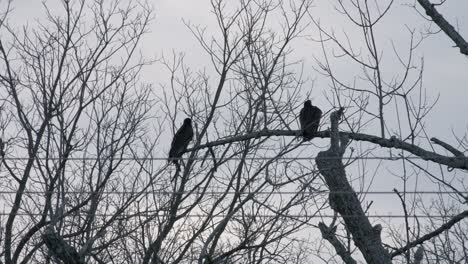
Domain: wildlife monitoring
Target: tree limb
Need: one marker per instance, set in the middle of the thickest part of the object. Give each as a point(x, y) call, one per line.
point(60, 248)
point(328, 233)
point(448, 147)
point(344, 200)
point(444, 25)
point(434, 233)
point(453, 162)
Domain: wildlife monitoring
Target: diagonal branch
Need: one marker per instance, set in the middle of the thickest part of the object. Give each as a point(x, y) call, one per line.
point(443, 24)
point(343, 198)
point(60, 248)
point(434, 233)
point(328, 233)
point(448, 147)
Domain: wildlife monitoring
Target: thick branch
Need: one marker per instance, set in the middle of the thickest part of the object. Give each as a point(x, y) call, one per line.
point(443, 24)
point(59, 248)
point(344, 200)
point(434, 233)
point(448, 147)
point(453, 162)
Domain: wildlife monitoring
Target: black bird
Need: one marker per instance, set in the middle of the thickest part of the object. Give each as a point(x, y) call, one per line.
point(181, 140)
point(2, 148)
point(309, 118)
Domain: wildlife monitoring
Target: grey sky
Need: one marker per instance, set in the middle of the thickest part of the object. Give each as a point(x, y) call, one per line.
point(445, 69)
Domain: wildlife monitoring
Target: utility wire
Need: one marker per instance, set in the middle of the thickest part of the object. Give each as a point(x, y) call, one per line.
point(142, 214)
point(231, 158)
point(231, 192)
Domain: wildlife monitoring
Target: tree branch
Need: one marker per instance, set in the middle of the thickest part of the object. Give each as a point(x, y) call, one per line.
point(344, 200)
point(434, 233)
point(448, 147)
point(443, 24)
point(328, 233)
point(59, 248)
point(453, 162)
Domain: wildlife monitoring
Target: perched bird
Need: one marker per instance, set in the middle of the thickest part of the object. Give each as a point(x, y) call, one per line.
point(181, 140)
point(309, 118)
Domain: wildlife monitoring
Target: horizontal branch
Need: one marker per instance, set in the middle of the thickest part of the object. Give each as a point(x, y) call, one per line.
point(434, 233)
point(444, 25)
point(453, 162)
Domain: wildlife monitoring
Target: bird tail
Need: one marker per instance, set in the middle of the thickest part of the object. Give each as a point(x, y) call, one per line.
point(307, 136)
point(173, 160)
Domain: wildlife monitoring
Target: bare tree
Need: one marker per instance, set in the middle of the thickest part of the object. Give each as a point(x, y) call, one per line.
point(73, 111)
point(385, 94)
point(233, 189)
point(81, 177)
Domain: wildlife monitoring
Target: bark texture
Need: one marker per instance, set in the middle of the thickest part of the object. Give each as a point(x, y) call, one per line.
point(344, 200)
point(61, 249)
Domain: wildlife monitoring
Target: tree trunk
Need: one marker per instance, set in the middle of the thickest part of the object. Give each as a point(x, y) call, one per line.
point(344, 200)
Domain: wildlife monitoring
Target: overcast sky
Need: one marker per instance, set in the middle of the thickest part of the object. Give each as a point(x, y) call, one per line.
point(445, 68)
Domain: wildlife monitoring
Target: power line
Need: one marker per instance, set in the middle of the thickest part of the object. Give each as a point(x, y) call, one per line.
point(232, 192)
point(395, 158)
point(245, 216)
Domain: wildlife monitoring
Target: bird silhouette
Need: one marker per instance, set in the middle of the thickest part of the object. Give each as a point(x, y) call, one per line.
point(181, 139)
point(309, 117)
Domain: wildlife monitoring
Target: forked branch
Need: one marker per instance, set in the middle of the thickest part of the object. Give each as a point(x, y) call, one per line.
point(344, 200)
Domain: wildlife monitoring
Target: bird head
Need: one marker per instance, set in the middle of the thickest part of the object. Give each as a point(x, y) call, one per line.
point(187, 121)
point(307, 103)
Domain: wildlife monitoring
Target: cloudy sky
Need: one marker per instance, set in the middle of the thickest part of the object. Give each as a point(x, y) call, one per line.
point(445, 68)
